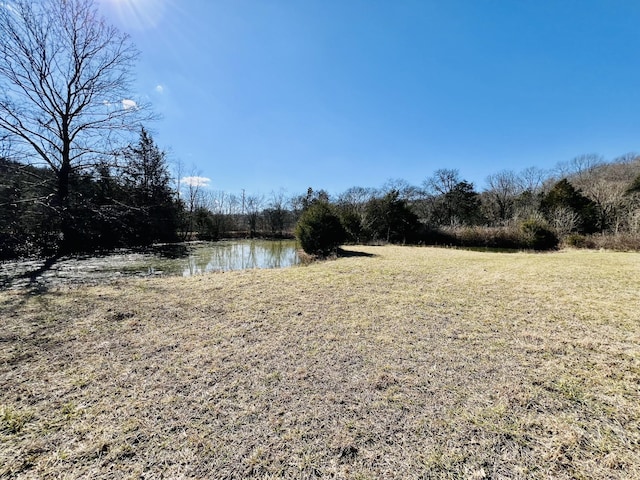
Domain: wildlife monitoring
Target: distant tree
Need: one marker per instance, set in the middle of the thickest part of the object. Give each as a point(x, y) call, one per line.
point(356, 197)
point(64, 89)
point(579, 167)
point(450, 201)
point(564, 220)
point(206, 224)
point(630, 205)
point(606, 185)
point(311, 197)
point(221, 205)
point(254, 207)
point(529, 192)
point(442, 181)
point(437, 209)
point(390, 219)
point(351, 206)
point(464, 204)
point(405, 190)
point(628, 159)
point(564, 196)
point(527, 204)
point(531, 179)
point(192, 196)
point(503, 188)
point(352, 224)
point(276, 213)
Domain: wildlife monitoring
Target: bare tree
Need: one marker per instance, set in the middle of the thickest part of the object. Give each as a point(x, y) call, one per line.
point(531, 179)
point(606, 185)
point(580, 166)
point(608, 194)
point(503, 187)
point(443, 181)
point(192, 197)
point(405, 189)
point(352, 207)
point(254, 205)
point(218, 202)
point(530, 185)
point(564, 220)
point(628, 158)
point(64, 86)
point(276, 212)
point(436, 207)
point(354, 200)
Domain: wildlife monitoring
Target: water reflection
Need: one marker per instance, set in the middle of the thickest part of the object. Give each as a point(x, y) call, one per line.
point(179, 259)
point(239, 255)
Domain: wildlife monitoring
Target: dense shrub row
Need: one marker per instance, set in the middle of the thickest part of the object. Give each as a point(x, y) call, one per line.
point(619, 241)
point(592, 204)
point(320, 232)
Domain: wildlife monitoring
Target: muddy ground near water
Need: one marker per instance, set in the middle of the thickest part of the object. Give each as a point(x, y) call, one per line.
point(85, 270)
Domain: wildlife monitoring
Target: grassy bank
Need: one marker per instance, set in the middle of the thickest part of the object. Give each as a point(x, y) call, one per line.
point(411, 363)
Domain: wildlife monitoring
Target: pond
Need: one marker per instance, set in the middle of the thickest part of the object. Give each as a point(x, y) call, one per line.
point(234, 255)
point(185, 259)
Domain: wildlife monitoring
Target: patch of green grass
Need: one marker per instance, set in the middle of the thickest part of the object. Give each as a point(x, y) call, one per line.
point(12, 421)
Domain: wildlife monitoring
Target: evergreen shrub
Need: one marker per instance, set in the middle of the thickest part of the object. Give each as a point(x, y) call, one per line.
point(319, 230)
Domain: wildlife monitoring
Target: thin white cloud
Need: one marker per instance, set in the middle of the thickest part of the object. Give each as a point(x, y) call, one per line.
point(196, 181)
point(159, 89)
point(127, 104)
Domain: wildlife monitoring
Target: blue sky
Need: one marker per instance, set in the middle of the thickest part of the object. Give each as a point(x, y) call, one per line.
point(264, 95)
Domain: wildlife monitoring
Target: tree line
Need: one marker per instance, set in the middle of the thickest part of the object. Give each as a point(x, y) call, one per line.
point(585, 200)
point(127, 202)
point(80, 172)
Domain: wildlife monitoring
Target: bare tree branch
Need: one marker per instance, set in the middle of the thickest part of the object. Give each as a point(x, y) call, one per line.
point(64, 74)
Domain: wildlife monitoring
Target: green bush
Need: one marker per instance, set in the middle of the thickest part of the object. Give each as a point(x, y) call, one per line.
point(389, 219)
point(319, 230)
point(536, 235)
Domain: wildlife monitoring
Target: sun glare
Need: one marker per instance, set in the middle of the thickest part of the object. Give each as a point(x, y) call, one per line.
point(137, 14)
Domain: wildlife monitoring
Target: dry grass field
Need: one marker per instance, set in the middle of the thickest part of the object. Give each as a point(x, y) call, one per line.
point(410, 363)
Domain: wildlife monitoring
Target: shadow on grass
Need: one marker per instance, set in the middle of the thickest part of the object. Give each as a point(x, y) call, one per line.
point(350, 253)
point(30, 276)
point(490, 249)
point(46, 266)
